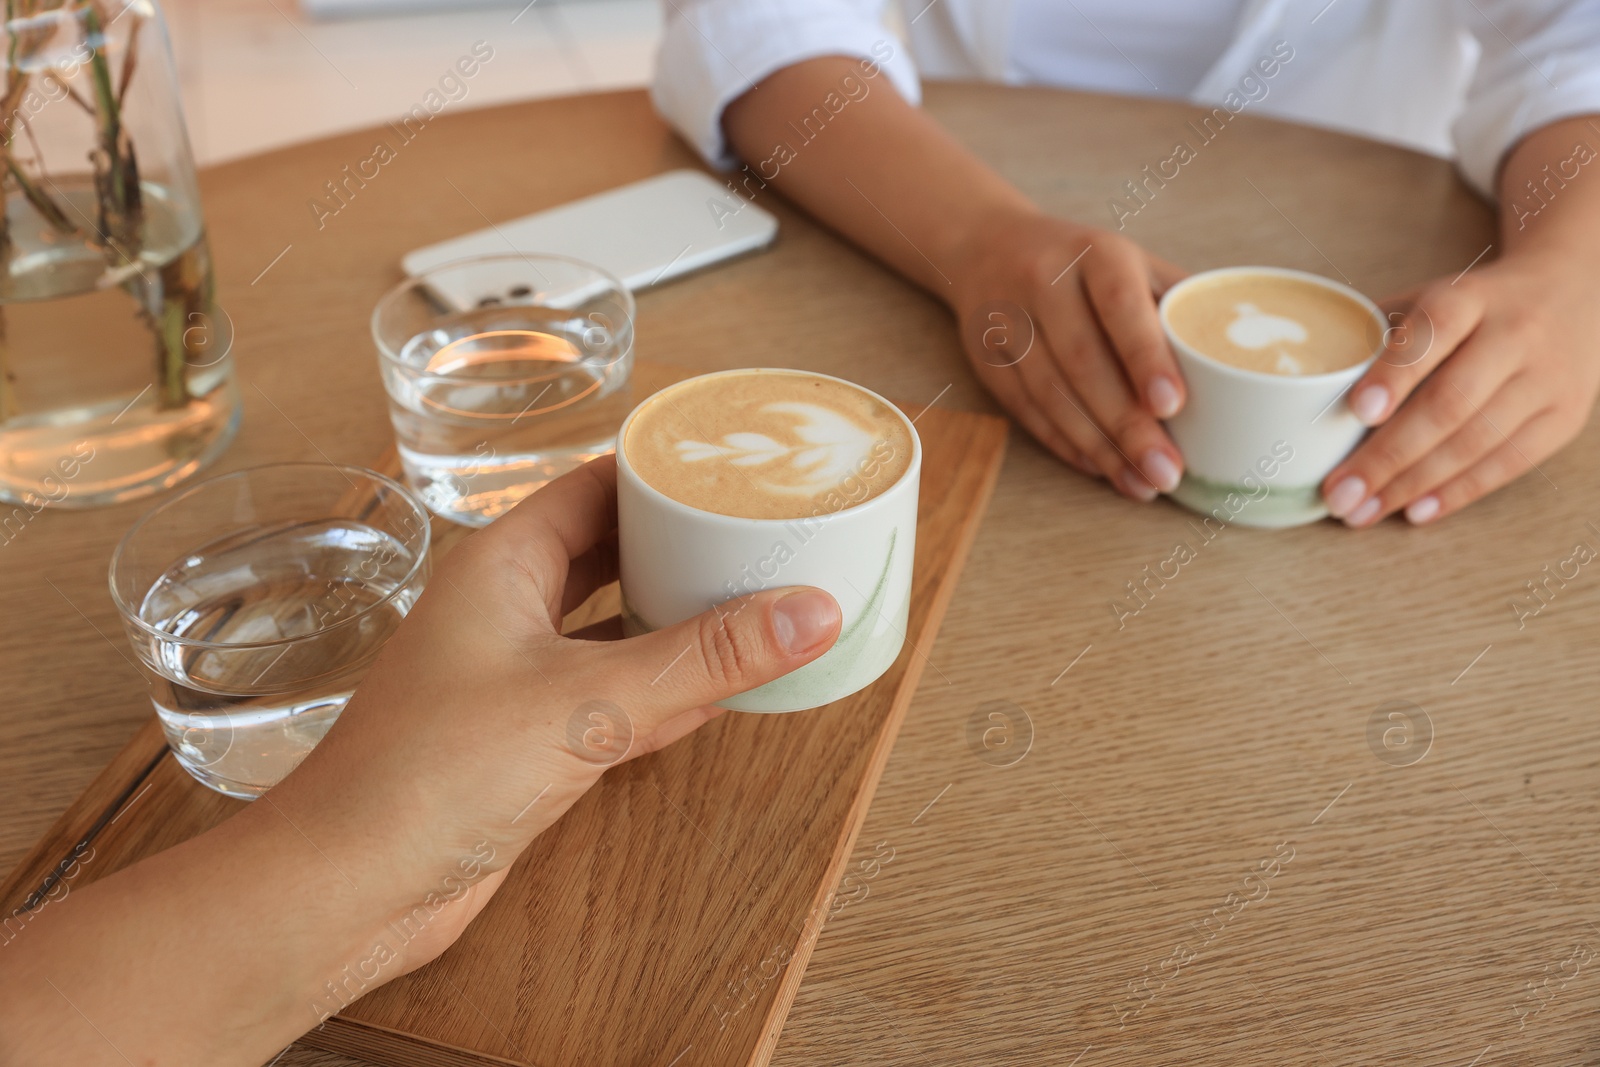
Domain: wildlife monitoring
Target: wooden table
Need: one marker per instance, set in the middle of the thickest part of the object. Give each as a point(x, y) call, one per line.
point(1207, 842)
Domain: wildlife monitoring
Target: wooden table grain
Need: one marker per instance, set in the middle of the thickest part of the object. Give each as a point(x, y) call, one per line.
point(1323, 798)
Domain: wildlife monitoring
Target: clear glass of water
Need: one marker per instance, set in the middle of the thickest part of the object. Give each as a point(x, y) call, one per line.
point(257, 600)
point(503, 373)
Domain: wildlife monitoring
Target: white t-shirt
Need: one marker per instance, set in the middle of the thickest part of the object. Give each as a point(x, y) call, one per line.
point(1460, 78)
point(1110, 48)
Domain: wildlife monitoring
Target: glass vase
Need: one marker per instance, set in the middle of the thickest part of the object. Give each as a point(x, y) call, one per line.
point(115, 377)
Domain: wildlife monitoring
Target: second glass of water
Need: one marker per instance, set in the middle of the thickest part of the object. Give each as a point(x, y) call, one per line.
point(503, 373)
point(256, 602)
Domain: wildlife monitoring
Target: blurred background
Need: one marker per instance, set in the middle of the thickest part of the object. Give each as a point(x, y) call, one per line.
point(259, 74)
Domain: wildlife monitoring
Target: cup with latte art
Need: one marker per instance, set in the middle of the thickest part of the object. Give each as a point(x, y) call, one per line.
point(745, 480)
point(1268, 355)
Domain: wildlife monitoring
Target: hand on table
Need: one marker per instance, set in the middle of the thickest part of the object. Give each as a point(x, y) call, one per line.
point(1084, 366)
point(477, 727)
point(1486, 376)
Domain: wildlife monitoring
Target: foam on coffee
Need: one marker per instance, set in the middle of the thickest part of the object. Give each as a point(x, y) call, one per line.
point(768, 444)
point(1273, 323)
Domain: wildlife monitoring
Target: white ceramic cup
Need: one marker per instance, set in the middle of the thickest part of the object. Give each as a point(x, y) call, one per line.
point(677, 561)
point(1257, 446)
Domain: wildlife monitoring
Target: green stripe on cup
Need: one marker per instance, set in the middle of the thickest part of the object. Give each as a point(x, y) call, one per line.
point(1234, 502)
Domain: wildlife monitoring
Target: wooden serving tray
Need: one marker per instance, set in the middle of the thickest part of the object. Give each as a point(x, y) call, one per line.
point(668, 917)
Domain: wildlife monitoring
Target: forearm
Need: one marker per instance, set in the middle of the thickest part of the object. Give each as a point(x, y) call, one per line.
point(216, 951)
point(1550, 192)
point(872, 166)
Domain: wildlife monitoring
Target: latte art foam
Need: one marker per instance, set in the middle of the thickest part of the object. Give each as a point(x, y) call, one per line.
point(768, 444)
point(1274, 323)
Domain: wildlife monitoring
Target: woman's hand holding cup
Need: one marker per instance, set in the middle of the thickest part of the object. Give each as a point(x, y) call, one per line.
point(1059, 322)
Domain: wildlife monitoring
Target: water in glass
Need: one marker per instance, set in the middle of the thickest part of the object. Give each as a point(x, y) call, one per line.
point(491, 403)
point(299, 609)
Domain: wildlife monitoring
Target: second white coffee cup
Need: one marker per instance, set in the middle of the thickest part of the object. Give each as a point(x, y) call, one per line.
point(1256, 446)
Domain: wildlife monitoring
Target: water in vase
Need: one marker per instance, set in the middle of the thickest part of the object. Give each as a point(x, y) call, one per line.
point(115, 377)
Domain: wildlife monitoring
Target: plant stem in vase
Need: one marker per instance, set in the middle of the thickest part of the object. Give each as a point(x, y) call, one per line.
point(78, 244)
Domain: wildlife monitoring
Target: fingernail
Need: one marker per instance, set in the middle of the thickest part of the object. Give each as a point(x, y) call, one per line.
point(1369, 403)
point(1163, 397)
point(804, 620)
point(1421, 511)
point(1346, 495)
point(1162, 472)
point(1364, 514)
point(1136, 486)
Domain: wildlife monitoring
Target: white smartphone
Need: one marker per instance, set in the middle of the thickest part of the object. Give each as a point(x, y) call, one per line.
point(642, 234)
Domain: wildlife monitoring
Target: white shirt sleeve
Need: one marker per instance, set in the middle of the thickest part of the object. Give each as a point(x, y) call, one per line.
point(713, 51)
point(1540, 62)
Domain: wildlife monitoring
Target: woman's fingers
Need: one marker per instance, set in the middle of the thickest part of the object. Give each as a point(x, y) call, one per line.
point(1008, 388)
point(1050, 391)
point(1438, 322)
point(1146, 459)
point(1498, 422)
point(1118, 281)
point(1033, 419)
point(1538, 438)
point(1452, 400)
point(1143, 458)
